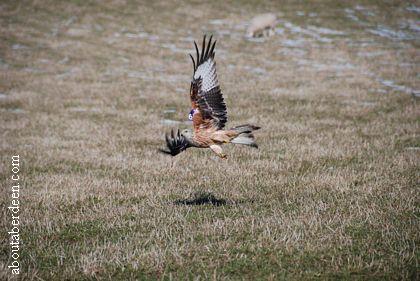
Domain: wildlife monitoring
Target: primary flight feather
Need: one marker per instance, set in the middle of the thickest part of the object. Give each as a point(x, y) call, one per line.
point(208, 113)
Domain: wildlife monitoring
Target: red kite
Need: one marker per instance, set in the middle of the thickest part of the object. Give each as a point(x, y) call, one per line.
point(208, 112)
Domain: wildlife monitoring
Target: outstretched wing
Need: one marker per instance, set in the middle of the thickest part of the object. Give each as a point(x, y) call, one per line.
point(206, 96)
point(176, 143)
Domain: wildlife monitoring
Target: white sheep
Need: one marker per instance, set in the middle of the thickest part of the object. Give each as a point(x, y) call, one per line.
point(262, 25)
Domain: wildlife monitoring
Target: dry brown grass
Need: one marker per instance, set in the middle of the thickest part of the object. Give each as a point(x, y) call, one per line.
point(332, 193)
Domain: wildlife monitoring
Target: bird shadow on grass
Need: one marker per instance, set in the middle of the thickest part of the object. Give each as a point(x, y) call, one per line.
point(202, 198)
point(207, 198)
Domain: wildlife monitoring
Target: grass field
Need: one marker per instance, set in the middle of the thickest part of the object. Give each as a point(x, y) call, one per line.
point(89, 88)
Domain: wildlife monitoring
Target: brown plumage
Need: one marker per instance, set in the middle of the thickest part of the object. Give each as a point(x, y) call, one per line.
point(209, 113)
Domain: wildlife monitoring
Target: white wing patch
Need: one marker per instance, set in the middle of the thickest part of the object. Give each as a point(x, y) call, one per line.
point(207, 72)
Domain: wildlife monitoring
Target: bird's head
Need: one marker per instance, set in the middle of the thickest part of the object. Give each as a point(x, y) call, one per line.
point(187, 133)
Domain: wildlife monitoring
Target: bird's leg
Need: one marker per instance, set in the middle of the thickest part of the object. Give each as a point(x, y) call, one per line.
point(218, 150)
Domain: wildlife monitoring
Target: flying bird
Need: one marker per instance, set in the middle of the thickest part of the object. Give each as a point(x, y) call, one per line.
point(208, 113)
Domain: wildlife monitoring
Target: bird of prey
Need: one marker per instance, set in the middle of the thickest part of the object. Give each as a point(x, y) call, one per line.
point(208, 113)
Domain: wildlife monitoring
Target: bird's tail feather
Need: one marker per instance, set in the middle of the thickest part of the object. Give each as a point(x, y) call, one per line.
point(245, 139)
point(245, 135)
point(247, 128)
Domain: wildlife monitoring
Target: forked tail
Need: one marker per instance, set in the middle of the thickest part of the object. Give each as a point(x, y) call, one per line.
point(245, 135)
